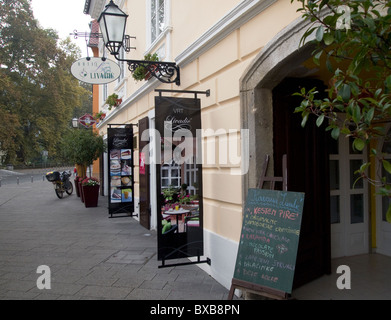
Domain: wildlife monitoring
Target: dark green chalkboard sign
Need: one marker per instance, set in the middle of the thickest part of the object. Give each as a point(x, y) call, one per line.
point(269, 239)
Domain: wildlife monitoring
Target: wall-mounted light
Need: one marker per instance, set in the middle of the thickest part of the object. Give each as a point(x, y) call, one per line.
point(112, 23)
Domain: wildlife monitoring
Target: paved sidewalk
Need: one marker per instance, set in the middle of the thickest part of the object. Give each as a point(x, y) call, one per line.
point(89, 255)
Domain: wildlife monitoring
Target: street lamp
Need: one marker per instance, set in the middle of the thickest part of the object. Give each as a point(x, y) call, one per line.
point(75, 123)
point(112, 23)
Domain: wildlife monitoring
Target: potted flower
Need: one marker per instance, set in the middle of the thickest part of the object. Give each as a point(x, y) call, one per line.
point(90, 190)
point(113, 101)
point(170, 195)
point(142, 72)
point(184, 199)
point(100, 115)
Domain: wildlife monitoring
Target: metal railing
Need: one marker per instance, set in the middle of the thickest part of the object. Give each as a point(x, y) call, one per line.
point(28, 175)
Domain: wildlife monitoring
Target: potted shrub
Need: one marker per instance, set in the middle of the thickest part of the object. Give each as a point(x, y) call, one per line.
point(82, 147)
point(77, 187)
point(141, 72)
point(90, 190)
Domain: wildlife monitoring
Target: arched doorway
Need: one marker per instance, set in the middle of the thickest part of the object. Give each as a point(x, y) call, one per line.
point(307, 166)
point(266, 111)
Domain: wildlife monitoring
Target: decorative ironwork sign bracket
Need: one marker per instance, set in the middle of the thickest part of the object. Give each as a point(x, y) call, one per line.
point(207, 92)
point(96, 35)
point(166, 72)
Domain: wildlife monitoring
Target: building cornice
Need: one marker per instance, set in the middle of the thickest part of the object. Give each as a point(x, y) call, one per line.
point(95, 7)
point(87, 5)
point(241, 14)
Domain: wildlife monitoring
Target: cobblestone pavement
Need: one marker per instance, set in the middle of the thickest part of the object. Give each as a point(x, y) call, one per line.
point(89, 255)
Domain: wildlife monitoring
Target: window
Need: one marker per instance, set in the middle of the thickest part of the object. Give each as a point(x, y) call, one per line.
point(121, 65)
point(171, 175)
point(191, 173)
point(104, 93)
point(157, 18)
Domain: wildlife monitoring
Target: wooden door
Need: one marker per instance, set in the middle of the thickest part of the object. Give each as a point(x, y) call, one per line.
point(307, 164)
point(145, 207)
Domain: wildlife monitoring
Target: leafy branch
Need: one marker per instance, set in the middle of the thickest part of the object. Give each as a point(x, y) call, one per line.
point(353, 40)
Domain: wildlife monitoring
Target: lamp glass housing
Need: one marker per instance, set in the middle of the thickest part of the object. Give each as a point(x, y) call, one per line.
point(112, 23)
point(75, 122)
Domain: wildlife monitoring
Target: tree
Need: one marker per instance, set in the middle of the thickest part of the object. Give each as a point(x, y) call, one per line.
point(82, 147)
point(9, 121)
point(86, 102)
point(353, 39)
point(39, 91)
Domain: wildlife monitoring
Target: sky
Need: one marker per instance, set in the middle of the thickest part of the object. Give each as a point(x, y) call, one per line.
point(65, 16)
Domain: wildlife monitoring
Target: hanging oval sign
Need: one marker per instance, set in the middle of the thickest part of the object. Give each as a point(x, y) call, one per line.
point(96, 70)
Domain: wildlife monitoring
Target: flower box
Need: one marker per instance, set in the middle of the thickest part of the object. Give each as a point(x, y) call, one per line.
point(91, 196)
point(90, 192)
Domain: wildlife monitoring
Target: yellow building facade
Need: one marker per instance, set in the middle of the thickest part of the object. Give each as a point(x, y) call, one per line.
point(247, 53)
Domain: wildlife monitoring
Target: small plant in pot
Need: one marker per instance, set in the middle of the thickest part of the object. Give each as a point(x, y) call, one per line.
point(113, 101)
point(100, 115)
point(141, 72)
point(170, 195)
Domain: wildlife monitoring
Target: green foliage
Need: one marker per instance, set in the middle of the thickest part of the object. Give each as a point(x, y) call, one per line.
point(38, 91)
point(85, 101)
point(353, 40)
point(170, 194)
point(141, 71)
point(82, 146)
point(113, 101)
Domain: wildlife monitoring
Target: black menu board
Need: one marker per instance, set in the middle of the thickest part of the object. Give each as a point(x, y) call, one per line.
point(270, 238)
point(120, 162)
point(179, 119)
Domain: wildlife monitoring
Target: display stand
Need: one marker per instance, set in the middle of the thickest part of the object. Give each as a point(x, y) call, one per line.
point(179, 117)
point(198, 261)
point(121, 170)
point(264, 291)
point(257, 289)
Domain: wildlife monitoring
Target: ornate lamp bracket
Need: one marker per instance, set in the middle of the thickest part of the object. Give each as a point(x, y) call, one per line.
point(166, 72)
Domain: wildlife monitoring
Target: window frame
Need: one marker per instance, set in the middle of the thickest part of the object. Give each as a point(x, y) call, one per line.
point(159, 32)
point(121, 65)
point(170, 168)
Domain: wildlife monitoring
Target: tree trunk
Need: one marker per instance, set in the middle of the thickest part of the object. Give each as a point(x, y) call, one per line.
point(81, 170)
